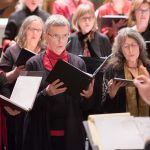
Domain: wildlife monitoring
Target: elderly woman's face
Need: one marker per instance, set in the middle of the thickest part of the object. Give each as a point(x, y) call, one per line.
point(56, 38)
point(130, 50)
point(34, 32)
point(86, 23)
point(142, 14)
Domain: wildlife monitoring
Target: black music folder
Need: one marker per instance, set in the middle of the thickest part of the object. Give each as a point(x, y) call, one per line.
point(148, 47)
point(106, 21)
point(24, 55)
point(74, 79)
point(92, 63)
point(127, 82)
point(23, 94)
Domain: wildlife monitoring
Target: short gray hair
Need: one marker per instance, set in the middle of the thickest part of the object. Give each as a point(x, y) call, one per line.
point(56, 20)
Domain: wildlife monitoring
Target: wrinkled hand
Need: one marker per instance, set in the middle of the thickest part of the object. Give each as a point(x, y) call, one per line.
point(144, 86)
point(12, 112)
point(144, 71)
point(113, 87)
point(18, 69)
point(88, 93)
point(55, 88)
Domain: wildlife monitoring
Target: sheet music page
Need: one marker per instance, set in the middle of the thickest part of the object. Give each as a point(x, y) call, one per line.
point(143, 124)
point(118, 132)
point(25, 91)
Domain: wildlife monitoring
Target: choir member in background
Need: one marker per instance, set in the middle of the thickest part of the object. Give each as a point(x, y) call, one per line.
point(114, 7)
point(24, 9)
point(139, 19)
point(129, 53)
point(55, 122)
point(88, 42)
point(30, 36)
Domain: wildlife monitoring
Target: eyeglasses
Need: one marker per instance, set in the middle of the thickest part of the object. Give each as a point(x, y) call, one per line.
point(127, 46)
point(143, 11)
point(59, 37)
point(34, 29)
point(84, 19)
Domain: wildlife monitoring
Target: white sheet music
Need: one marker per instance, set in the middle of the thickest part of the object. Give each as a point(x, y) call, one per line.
point(118, 132)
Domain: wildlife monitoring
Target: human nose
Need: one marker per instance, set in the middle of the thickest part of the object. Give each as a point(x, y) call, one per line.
point(130, 49)
point(60, 38)
point(35, 31)
point(87, 19)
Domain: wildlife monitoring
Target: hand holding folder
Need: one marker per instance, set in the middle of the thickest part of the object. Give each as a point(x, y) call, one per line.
point(23, 94)
point(106, 21)
point(73, 78)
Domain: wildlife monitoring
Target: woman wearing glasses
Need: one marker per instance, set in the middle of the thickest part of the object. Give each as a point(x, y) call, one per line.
point(129, 53)
point(88, 42)
point(30, 36)
point(139, 19)
point(24, 9)
point(55, 122)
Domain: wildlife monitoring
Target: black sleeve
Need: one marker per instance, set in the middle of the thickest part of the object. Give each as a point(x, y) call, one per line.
point(105, 45)
point(11, 29)
point(107, 104)
point(4, 86)
point(6, 58)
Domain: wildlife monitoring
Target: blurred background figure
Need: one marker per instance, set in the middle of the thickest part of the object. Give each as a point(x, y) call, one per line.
point(30, 36)
point(89, 43)
point(67, 7)
point(113, 7)
point(7, 7)
point(24, 9)
point(139, 19)
point(129, 53)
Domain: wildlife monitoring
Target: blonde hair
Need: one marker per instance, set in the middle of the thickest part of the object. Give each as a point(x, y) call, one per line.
point(80, 11)
point(22, 37)
point(134, 6)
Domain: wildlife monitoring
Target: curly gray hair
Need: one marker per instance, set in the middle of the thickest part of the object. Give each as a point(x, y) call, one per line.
point(118, 58)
